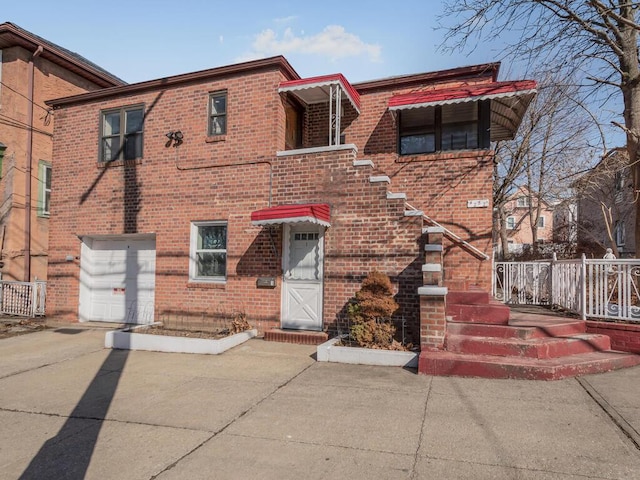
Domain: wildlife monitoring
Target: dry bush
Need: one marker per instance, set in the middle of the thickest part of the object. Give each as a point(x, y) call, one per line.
point(239, 323)
point(370, 313)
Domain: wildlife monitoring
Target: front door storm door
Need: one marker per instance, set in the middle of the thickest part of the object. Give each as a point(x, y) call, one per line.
point(302, 282)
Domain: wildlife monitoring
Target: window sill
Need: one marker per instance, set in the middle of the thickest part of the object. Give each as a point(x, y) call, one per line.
point(207, 285)
point(446, 155)
point(119, 163)
point(215, 138)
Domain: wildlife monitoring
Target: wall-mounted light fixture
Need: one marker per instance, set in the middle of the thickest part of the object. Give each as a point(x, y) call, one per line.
point(175, 138)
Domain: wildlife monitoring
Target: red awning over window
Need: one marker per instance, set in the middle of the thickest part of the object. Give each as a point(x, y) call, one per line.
point(471, 93)
point(317, 213)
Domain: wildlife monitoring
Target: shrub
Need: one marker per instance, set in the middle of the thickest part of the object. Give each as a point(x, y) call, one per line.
point(370, 313)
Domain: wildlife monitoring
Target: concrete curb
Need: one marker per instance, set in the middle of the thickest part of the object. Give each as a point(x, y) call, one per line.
point(329, 352)
point(125, 340)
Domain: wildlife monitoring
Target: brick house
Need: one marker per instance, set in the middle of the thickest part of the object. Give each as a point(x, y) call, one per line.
point(32, 70)
point(246, 188)
point(518, 221)
point(606, 207)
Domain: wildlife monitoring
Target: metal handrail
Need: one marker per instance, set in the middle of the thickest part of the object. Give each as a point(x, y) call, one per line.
point(451, 235)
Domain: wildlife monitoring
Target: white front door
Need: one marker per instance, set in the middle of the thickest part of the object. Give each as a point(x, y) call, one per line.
point(303, 255)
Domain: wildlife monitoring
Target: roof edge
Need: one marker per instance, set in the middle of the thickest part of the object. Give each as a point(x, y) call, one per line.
point(278, 61)
point(106, 77)
point(449, 74)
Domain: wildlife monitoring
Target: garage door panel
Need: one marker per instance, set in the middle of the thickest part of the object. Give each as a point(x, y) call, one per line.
point(118, 280)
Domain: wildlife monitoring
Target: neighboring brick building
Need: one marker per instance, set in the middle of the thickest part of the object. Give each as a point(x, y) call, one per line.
point(179, 198)
point(32, 70)
point(606, 207)
point(518, 221)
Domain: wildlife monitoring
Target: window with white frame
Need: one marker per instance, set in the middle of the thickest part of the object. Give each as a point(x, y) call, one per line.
point(620, 233)
point(522, 202)
point(44, 188)
point(511, 223)
point(208, 252)
point(540, 223)
point(121, 134)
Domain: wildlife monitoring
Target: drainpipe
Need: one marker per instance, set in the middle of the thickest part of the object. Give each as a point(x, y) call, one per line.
point(27, 190)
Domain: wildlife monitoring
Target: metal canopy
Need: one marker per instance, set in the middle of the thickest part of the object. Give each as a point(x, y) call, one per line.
point(509, 101)
point(325, 89)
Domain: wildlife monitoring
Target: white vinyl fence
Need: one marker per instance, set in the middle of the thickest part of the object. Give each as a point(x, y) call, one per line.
point(25, 299)
point(592, 288)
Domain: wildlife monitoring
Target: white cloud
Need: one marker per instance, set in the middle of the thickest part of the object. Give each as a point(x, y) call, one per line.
point(221, 39)
point(334, 42)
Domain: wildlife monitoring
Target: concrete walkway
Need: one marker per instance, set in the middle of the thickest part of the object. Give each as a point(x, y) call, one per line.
point(71, 409)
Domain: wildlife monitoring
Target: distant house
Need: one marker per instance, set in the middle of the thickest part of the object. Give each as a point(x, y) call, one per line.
point(32, 71)
point(247, 188)
point(606, 208)
point(518, 221)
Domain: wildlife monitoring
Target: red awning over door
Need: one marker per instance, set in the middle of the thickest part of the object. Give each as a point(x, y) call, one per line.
point(317, 213)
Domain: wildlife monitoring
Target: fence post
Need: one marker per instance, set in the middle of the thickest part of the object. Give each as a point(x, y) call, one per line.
point(552, 269)
point(493, 274)
point(583, 287)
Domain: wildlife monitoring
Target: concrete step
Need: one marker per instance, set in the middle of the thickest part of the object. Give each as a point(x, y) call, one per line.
point(533, 327)
point(542, 348)
point(493, 313)
point(300, 337)
point(486, 366)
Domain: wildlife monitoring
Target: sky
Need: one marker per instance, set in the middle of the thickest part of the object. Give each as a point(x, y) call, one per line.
point(140, 40)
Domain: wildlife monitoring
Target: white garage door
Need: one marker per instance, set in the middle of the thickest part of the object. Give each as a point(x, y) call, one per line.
point(117, 279)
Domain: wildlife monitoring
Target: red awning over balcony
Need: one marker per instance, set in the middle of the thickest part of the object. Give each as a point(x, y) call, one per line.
point(509, 101)
point(317, 89)
point(317, 213)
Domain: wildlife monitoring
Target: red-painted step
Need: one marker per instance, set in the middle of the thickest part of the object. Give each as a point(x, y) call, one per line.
point(497, 314)
point(550, 347)
point(536, 326)
point(487, 366)
point(468, 297)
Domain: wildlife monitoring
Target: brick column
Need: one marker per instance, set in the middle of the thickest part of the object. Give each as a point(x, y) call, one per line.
point(433, 323)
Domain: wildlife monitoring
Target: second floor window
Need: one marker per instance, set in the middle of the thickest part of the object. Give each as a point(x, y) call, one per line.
point(122, 132)
point(540, 222)
point(218, 113)
point(511, 223)
point(442, 128)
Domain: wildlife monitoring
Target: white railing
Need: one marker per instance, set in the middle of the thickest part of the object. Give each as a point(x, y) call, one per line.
point(594, 288)
point(25, 299)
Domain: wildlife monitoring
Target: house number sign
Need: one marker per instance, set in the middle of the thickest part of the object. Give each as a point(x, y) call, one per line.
point(482, 203)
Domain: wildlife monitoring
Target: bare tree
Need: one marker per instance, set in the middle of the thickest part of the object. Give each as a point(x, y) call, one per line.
point(551, 141)
point(597, 39)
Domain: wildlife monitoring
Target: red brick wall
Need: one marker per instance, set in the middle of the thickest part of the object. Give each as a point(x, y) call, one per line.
point(624, 337)
point(439, 184)
point(201, 180)
point(50, 81)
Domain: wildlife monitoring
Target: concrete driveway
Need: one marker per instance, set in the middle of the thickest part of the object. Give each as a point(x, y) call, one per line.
point(71, 409)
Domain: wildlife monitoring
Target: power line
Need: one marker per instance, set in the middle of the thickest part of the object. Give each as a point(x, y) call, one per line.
point(23, 96)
